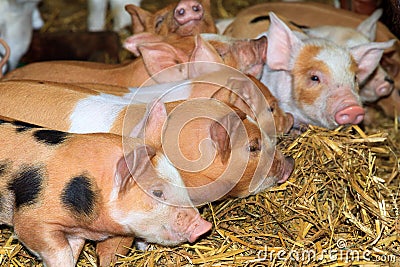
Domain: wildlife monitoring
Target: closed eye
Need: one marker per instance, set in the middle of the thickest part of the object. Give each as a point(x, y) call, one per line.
point(158, 23)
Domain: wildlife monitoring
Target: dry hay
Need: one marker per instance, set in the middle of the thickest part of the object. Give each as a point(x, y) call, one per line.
point(339, 208)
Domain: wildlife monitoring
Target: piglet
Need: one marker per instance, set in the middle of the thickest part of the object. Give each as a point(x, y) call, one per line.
point(59, 189)
point(379, 83)
point(187, 17)
point(315, 79)
point(313, 14)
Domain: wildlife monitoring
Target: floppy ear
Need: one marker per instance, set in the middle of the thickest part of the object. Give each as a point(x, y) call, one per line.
point(255, 50)
point(131, 166)
point(133, 42)
point(221, 133)
point(163, 57)
point(139, 18)
point(245, 93)
point(282, 44)
point(150, 127)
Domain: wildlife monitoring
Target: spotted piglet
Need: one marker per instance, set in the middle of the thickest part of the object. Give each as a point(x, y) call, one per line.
point(58, 189)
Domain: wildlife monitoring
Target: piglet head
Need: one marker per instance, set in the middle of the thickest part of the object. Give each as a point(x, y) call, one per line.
point(150, 201)
point(378, 85)
point(191, 17)
point(321, 76)
point(248, 158)
point(254, 98)
point(187, 17)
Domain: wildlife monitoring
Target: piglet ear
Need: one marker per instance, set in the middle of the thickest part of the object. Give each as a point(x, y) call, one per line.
point(367, 57)
point(282, 44)
point(221, 133)
point(368, 26)
point(139, 18)
point(150, 127)
point(133, 42)
point(202, 53)
point(163, 57)
point(240, 93)
point(131, 166)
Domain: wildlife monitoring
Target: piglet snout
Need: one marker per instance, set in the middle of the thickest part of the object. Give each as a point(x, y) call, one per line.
point(386, 88)
point(188, 10)
point(287, 169)
point(350, 115)
point(199, 227)
point(289, 122)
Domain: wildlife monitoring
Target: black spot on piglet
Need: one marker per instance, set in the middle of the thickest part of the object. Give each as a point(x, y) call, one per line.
point(78, 196)
point(26, 186)
point(50, 137)
point(260, 18)
point(24, 126)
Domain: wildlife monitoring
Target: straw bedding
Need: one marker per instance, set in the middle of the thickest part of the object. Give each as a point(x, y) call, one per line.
point(339, 208)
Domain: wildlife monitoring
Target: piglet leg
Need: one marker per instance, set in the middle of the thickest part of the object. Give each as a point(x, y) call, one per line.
point(53, 247)
point(107, 249)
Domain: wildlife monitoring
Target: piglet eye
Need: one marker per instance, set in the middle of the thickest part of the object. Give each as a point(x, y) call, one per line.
point(158, 193)
point(314, 78)
point(271, 108)
point(158, 22)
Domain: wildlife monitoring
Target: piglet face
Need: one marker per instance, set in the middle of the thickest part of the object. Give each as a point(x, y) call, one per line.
point(246, 155)
point(266, 165)
point(378, 85)
point(322, 91)
point(152, 202)
point(188, 17)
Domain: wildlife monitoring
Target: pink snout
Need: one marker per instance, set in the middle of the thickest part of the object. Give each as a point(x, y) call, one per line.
point(350, 115)
point(198, 228)
point(386, 88)
point(188, 10)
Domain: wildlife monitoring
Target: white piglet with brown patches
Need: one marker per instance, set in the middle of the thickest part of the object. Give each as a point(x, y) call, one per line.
point(379, 83)
point(58, 189)
point(316, 79)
